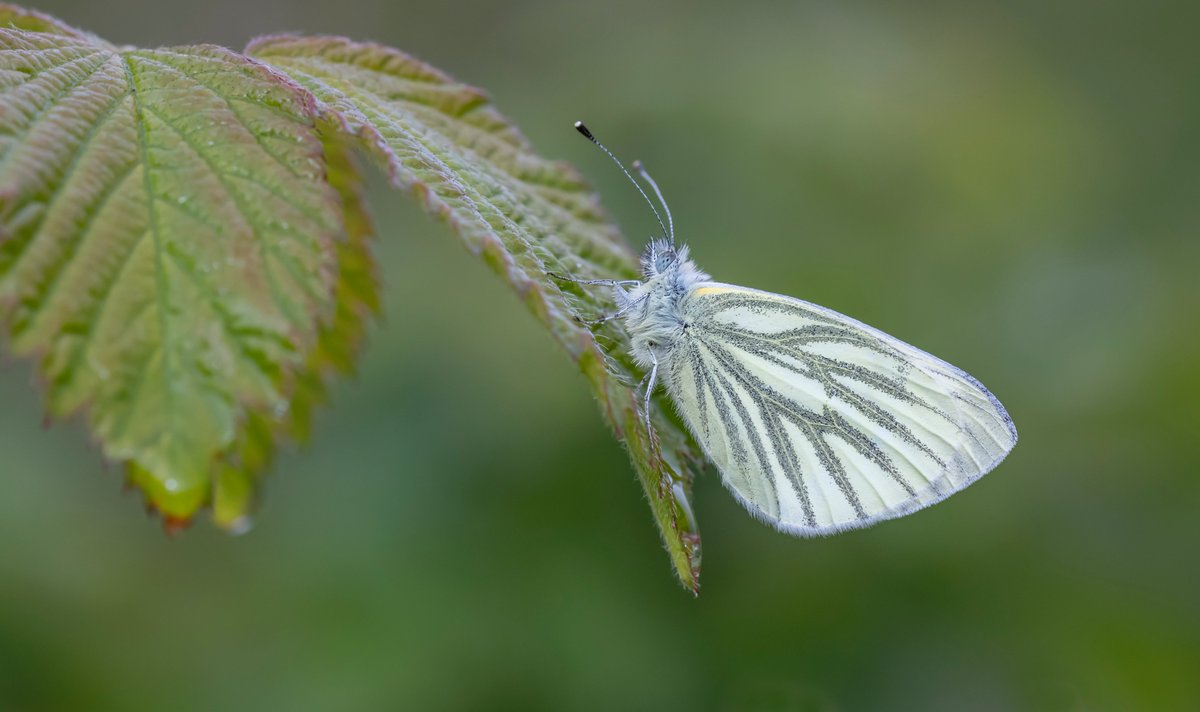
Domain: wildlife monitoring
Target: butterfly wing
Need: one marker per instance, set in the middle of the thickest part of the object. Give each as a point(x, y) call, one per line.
point(819, 423)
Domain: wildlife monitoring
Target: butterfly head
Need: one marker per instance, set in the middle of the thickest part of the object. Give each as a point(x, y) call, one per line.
point(659, 256)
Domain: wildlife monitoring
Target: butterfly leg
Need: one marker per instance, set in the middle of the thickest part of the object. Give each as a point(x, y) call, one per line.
point(614, 315)
point(618, 284)
point(604, 282)
point(650, 382)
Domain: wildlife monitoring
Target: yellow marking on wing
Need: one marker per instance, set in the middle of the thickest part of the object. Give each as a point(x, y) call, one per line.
point(714, 290)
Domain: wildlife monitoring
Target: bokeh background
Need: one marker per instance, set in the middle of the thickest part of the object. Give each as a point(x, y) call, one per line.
point(1012, 186)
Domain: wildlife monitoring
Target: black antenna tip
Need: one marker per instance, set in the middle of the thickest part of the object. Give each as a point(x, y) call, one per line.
point(584, 130)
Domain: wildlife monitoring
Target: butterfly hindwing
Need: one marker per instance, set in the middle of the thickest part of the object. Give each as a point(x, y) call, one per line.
point(819, 423)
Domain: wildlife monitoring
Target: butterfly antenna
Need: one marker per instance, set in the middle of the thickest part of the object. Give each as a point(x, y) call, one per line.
point(588, 135)
point(641, 171)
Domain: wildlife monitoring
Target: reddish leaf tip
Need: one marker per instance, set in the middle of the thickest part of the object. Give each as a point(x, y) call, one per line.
point(174, 525)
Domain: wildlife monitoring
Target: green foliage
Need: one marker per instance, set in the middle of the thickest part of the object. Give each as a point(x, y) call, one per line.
point(185, 252)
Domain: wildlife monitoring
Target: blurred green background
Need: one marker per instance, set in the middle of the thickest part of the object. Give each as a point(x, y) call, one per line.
point(1013, 187)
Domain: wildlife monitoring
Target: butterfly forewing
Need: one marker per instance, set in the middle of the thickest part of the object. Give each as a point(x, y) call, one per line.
point(820, 423)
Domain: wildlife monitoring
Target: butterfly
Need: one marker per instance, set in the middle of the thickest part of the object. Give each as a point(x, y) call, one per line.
point(817, 422)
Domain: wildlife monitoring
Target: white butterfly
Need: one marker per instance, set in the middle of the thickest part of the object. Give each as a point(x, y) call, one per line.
point(818, 423)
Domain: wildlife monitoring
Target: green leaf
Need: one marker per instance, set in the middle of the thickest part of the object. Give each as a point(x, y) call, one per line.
point(526, 216)
point(166, 249)
point(184, 248)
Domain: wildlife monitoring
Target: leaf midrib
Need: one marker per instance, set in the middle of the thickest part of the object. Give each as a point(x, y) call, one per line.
point(154, 231)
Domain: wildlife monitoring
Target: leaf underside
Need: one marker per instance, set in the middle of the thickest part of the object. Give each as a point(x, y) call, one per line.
point(185, 253)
